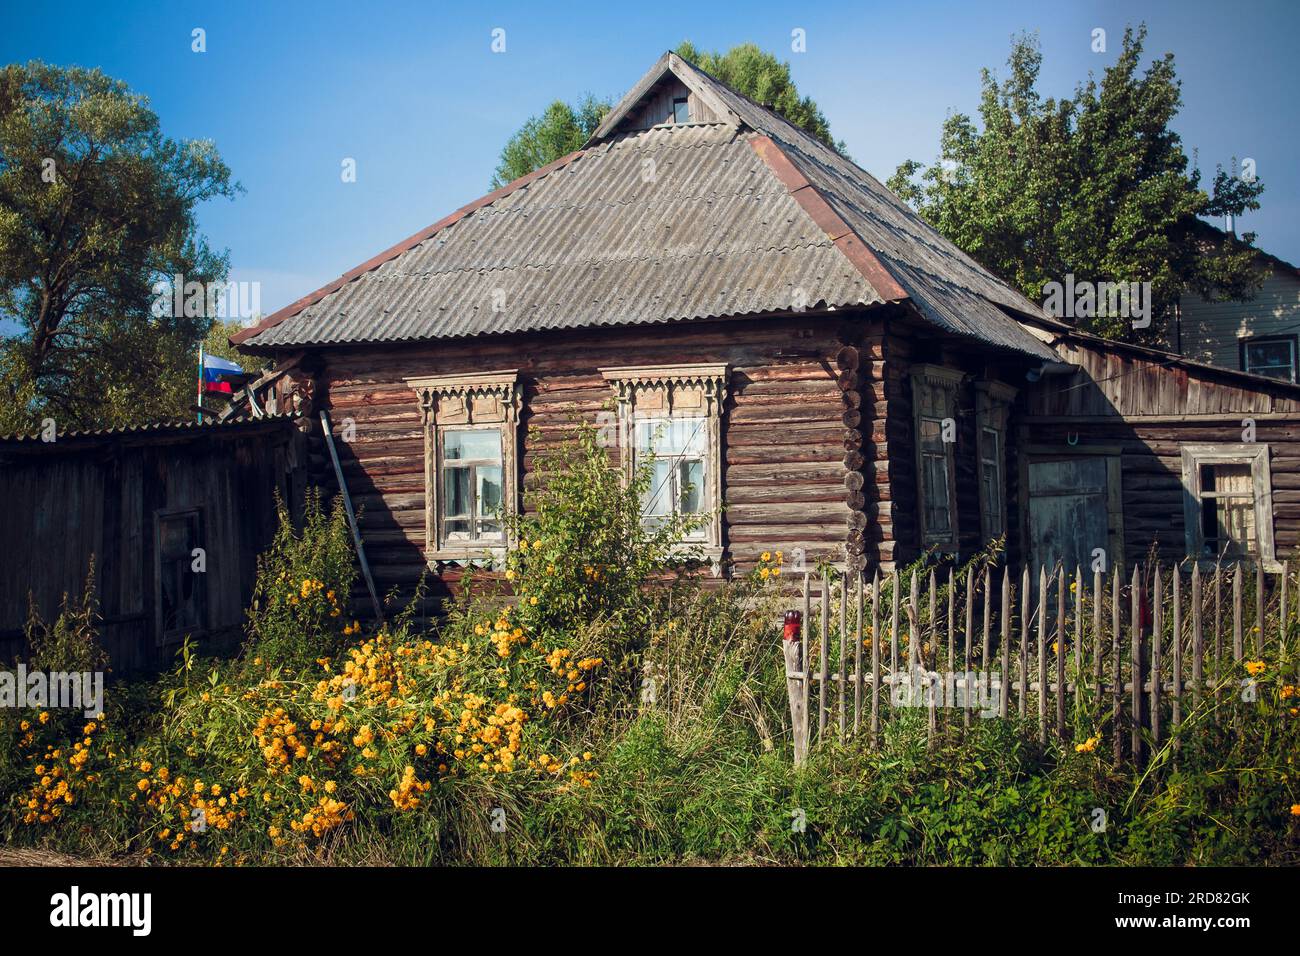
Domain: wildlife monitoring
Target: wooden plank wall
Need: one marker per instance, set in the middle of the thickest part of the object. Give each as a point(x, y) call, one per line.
point(1148, 411)
point(785, 437)
point(99, 496)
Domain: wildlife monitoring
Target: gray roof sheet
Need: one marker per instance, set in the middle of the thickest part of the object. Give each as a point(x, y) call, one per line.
point(672, 223)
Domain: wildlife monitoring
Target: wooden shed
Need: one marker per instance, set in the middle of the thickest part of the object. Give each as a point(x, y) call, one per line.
point(139, 502)
point(806, 360)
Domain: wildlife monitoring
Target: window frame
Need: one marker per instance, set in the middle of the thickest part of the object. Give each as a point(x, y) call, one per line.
point(1293, 341)
point(677, 392)
point(686, 101)
point(470, 402)
point(934, 398)
point(1254, 454)
point(177, 634)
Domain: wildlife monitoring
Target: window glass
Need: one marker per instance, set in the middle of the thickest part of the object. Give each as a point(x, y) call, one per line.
point(681, 110)
point(1227, 509)
point(1274, 358)
point(472, 482)
point(677, 447)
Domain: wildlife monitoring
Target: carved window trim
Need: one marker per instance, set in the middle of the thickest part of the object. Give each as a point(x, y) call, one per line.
point(475, 400)
point(934, 398)
point(676, 391)
point(992, 412)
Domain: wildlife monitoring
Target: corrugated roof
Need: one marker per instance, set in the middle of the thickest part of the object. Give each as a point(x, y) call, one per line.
point(152, 428)
point(672, 223)
point(946, 285)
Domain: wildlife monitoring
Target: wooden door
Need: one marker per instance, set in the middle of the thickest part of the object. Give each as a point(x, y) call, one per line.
point(1070, 508)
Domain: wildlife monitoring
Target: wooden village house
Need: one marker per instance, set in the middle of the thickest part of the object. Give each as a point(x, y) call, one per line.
point(809, 362)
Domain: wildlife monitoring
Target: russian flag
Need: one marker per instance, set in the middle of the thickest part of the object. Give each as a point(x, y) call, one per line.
point(216, 375)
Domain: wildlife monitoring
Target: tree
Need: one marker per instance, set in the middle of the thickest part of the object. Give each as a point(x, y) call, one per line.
point(1096, 186)
point(562, 128)
point(96, 206)
point(543, 139)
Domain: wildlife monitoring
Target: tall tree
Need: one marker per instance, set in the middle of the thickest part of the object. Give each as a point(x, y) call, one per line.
point(543, 139)
point(1096, 186)
point(562, 127)
point(96, 206)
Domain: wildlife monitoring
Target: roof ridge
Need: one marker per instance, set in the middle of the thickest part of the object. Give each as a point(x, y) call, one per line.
point(410, 242)
point(843, 237)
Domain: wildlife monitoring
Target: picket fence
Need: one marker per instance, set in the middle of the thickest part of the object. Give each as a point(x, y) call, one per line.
point(1128, 659)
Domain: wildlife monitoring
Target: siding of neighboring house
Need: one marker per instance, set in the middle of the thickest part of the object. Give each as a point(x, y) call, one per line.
point(1212, 331)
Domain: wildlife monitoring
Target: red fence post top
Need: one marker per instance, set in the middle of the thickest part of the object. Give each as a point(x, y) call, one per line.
point(792, 621)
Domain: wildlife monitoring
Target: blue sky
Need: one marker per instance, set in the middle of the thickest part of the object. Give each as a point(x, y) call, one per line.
point(413, 93)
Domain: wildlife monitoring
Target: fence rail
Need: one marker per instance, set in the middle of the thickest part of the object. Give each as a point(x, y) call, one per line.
point(1126, 661)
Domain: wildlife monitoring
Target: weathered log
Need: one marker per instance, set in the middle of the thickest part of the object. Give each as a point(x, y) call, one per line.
point(846, 359)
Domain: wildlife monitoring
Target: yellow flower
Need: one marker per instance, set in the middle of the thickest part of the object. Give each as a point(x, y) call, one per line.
point(1254, 668)
point(1295, 809)
point(1088, 746)
point(767, 556)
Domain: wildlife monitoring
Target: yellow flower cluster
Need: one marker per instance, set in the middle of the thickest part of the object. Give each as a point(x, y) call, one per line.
point(54, 789)
point(326, 815)
point(770, 565)
point(1088, 746)
point(407, 794)
point(1255, 668)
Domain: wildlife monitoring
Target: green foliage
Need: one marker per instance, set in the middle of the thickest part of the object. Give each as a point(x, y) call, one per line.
point(558, 131)
point(630, 715)
point(764, 79)
point(96, 206)
point(303, 584)
point(1096, 185)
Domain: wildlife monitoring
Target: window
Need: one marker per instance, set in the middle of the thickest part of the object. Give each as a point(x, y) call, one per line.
point(181, 591)
point(471, 449)
point(934, 401)
point(670, 419)
point(1274, 357)
point(992, 407)
point(676, 451)
point(991, 482)
point(681, 110)
point(1228, 501)
point(471, 489)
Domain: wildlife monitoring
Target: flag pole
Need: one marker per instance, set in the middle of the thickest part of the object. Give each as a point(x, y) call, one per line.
point(199, 400)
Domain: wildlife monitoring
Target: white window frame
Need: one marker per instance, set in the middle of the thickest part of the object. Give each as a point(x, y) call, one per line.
point(677, 392)
point(486, 400)
point(934, 399)
point(992, 410)
point(1254, 454)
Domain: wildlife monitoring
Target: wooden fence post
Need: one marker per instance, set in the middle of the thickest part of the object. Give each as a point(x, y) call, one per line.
point(875, 658)
point(823, 663)
point(1117, 674)
point(1004, 689)
point(1042, 655)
